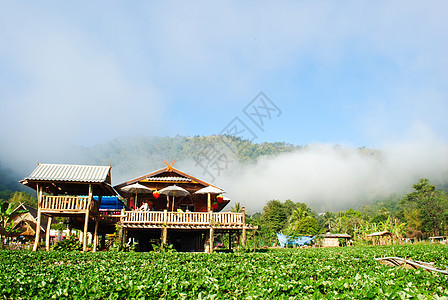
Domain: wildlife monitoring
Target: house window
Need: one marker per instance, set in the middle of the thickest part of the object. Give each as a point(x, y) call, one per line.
point(185, 207)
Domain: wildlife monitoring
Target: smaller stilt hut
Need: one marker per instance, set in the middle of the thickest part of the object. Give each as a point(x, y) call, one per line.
point(68, 191)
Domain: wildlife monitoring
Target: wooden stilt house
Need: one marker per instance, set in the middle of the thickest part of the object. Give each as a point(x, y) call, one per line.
point(68, 191)
point(188, 222)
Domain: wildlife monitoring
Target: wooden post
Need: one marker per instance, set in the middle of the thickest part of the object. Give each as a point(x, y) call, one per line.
point(39, 216)
point(120, 231)
point(255, 244)
point(211, 239)
point(207, 242)
point(47, 235)
point(95, 235)
point(244, 227)
point(86, 221)
point(164, 236)
point(209, 202)
point(125, 236)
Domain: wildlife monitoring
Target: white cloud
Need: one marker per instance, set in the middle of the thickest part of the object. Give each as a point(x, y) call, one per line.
point(332, 178)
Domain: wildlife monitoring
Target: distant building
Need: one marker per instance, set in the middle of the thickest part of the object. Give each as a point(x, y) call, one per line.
point(334, 239)
point(381, 238)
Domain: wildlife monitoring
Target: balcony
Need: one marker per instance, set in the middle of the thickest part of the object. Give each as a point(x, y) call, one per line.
point(68, 204)
point(188, 220)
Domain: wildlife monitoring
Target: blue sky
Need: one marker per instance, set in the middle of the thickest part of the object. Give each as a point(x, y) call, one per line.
point(355, 73)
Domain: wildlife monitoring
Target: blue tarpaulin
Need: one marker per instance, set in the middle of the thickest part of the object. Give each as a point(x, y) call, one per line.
point(298, 241)
point(110, 203)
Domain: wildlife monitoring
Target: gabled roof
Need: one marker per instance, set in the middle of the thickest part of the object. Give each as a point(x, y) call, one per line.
point(71, 179)
point(152, 177)
point(70, 173)
point(33, 213)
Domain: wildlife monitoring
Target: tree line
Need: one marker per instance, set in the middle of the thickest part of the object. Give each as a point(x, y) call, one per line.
point(418, 215)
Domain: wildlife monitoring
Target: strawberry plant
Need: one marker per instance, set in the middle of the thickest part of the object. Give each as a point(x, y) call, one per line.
point(332, 273)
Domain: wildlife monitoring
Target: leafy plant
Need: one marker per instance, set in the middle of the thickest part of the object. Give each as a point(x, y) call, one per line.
point(330, 273)
point(69, 244)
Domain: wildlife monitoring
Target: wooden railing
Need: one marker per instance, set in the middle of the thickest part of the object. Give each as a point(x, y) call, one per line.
point(183, 218)
point(68, 203)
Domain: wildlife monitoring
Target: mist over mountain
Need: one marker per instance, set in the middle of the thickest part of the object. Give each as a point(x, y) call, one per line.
point(326, 177)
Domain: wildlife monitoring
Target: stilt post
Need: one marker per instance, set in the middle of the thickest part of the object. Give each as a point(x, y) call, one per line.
point(211, 239)
point(95, 235)
point(39, 216)
point(164, 236)
point(86, 220)
point(209, 202)
point(47, 235)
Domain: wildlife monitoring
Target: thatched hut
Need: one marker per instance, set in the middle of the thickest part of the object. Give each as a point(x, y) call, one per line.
point(381, 238)
point(335, 239)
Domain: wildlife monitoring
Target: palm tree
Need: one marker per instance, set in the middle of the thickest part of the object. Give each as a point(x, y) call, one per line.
point(236, 208)
point(298, 215)
point(329, 220)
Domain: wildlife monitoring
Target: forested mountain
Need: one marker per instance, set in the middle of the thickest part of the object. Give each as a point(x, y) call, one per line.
point(137, 155)
point(9, 183)
point(140, 154)
point(134, 156)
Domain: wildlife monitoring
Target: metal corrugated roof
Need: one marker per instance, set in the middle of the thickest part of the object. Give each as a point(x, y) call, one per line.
point(168, 179)
point(69, 173)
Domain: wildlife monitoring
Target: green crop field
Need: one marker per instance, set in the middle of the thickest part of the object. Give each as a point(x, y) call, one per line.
point(279, 274)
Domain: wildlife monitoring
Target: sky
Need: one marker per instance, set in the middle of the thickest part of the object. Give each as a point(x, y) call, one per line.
point(355, 73)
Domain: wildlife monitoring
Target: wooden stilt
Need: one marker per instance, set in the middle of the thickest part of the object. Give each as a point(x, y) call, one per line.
point(120, 231)
point(255, 241)
point(86, 220)
point(164, 236)
point(125, 236)
point(243, 237)
point(209, 202)
point(37, 237)
point(84, 233)
point(207, 242)
point(211, 240)
point(47, 235)
point(95, 235)
point(39, 216)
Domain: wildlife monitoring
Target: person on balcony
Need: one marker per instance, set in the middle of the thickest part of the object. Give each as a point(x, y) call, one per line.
point(144, 207)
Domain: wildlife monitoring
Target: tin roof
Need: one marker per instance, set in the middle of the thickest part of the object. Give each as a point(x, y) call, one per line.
point(69, 173)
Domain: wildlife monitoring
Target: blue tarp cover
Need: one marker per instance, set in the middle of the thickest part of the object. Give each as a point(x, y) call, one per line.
point(110, 203)
point(298, 241)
